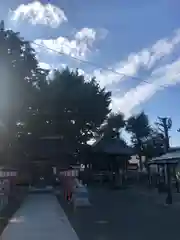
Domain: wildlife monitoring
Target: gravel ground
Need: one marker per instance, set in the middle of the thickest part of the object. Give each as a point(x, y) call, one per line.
point(123, 214)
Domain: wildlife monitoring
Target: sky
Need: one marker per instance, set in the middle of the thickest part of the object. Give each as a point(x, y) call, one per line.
point(131, 47)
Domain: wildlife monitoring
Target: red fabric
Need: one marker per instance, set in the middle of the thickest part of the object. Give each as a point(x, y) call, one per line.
point(68, 184)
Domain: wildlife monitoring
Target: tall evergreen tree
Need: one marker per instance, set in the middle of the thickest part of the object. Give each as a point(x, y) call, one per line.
point(140, 129)
point(20, 75)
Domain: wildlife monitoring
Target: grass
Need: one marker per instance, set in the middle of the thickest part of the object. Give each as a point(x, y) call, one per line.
point(13, 205)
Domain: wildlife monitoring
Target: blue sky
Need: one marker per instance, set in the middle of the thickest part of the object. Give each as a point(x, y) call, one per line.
point(140, 39)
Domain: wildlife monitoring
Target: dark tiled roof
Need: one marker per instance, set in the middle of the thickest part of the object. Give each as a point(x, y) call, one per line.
point(173, 156)
point(113, 146)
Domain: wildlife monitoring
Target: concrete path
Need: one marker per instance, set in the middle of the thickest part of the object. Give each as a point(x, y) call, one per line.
point(39, 218)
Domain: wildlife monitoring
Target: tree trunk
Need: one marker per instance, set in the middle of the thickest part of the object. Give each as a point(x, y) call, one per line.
point(140, 154)
point(140, 162)
point(149, 176)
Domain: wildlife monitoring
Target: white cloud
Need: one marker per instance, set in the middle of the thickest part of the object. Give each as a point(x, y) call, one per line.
point(154, 60)
point(38, 13)
point(166, 75)
point(79, 47)
point(147, 58)
point(118, 72)
point(44, 65)
point(86, 34)
point(91, 34)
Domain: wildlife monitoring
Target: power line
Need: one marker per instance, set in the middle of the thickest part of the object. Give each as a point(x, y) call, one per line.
point(96, 65)
point(89, 62)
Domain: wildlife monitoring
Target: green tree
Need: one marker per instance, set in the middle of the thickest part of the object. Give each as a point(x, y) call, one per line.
point(19, 79)
point(153, 146)
point(140, 129)
point(164, 124)
point(112, 126)
point(70, 107)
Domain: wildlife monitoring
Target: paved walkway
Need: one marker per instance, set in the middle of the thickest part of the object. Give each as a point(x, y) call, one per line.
point(39, 218)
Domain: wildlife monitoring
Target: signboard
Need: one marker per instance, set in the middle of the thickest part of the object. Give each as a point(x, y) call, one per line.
point(7, 173)
point(70, 173)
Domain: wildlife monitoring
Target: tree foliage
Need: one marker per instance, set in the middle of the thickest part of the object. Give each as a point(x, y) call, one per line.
point(139, 126)
point(140, 129)
point(19, 76)
point(153, 146)
point(70, 107)
point(112, 126)
point(164, 125)
point(67, 106)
